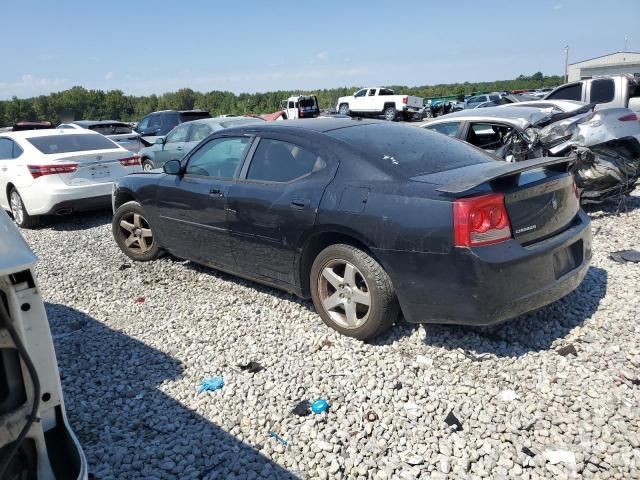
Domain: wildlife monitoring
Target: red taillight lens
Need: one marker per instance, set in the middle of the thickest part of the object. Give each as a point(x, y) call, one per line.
point(130, 161)
point(42, 170)
point(632, 117)
point(405, 100)
point(480, 220)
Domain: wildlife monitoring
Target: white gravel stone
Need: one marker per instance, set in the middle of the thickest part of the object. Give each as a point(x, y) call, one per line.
point(131, 367)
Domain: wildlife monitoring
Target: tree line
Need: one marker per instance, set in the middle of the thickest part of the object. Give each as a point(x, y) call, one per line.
point(78, 103)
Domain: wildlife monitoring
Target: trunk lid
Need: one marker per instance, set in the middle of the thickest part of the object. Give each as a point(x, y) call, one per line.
point(92, 167)
point(414, 102)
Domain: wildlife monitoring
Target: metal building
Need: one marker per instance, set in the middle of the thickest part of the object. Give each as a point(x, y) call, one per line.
point(611, 64)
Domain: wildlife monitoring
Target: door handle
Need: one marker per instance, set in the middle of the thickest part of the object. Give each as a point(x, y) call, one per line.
point(216, 192)
point(179, 148)
point(300, 202)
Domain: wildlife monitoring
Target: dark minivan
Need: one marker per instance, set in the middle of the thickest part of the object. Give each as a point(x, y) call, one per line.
point(158, 124)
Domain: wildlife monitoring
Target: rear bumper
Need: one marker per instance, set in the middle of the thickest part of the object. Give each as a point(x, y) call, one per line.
point(491, 284)
point(45, 200)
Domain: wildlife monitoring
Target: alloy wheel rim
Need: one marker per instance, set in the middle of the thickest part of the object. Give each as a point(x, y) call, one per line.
point(344, 293)
point(16, 208)
point(137, 234)
point(147, 167)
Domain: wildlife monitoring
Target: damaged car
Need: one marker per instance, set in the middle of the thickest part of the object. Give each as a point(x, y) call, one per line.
point(36, 441)
point(604, 144)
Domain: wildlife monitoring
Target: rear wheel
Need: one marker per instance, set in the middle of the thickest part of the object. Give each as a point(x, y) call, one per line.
point(390, 113)
point(352, 292)
point(344, 109)
point(19, 212)
point(133, 233)
point(147, 165)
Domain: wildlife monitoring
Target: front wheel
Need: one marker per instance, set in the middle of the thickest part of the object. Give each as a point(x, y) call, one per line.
point(344, 109)
point(352, 292)
point(390, 114)
point(19, 211)
point(133, 234)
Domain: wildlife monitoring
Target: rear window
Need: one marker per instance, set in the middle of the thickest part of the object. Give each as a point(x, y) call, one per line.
point(410, 151)
point(307, 102)
point(111, 129)
point(52, 144)
point(188, 116)
point(602, 91)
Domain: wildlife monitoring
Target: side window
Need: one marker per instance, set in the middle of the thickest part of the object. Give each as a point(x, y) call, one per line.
point(602, 91)
point(372, 92)
point(449, 129)
point(290, 103)
point(178, 134)
point(277, 161)
point(360, 93)
point(17, 150)
point(570, 92)
point(199, 132)
point(473, 100)
point(218, 158)
point(155, 121)
point(487, 136)
point(6, 149)
point(494, 98)
point(144, 123)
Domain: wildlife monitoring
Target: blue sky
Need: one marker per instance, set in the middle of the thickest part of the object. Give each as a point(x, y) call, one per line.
point(144, 47)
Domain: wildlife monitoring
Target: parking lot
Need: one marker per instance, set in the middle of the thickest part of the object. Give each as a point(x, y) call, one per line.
point(134, 340)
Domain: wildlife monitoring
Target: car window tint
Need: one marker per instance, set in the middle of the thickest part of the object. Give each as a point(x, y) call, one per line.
point(144, 123)
point(199, 132)
point(494, 98)
point(570, 92)
point(449, 129)
point(602, 91)
point(372, 92)
point(291, 104)
point(178, 134)
point(17, 150)
point(6, 148)
point(218, 158)
point(73, 142)
point(385, 91)
point(155, 121)
point(277, 161)
point(360, 93)
point(407, 151)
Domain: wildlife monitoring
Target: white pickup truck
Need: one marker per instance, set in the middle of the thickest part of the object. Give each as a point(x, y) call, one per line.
point(615, 91)
point(379, 101)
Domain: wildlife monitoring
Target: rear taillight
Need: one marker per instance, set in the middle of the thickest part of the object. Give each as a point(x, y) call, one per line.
point(405, 100)
point(130, 161)
point(42, 170)
point(480, 220)
point(632, 117)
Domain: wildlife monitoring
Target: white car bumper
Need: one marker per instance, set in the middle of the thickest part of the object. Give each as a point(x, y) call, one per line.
point(51, 200)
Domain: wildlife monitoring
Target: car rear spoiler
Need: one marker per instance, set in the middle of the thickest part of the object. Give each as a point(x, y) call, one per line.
point(502, 170)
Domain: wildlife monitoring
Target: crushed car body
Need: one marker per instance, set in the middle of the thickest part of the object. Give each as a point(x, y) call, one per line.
point(603, 144)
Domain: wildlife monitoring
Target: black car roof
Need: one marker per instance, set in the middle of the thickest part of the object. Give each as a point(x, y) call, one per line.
point(320, 125)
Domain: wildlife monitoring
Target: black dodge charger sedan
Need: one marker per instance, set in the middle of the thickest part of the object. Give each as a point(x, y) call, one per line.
point(368, 219)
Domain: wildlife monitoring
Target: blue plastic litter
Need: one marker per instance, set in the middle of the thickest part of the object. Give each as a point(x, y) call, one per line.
point(211, 384)
point(278, 438)
point(319, 406)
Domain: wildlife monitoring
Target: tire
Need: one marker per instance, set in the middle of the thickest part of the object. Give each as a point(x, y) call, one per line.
point(408, 117)
point(20, 215)
point(344, 109)
point(390, 113)
point(340, 298)
point(133, 233)
point(147, 165)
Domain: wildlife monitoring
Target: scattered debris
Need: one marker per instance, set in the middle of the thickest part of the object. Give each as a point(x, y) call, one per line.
point(529, 427)
point(140, 300)
point(453, 421)
point(372, 416)
point(561, 456)
point(302, 409)
point(326, 343)
point(280, 440)
point(528, 451)
point(319, 406)
point(211, 384)
point(397, 386)
point(567, 350)
point(477, 357)
point(251, 367)
point(624, 256)
point(124, 266)
point(508, 395)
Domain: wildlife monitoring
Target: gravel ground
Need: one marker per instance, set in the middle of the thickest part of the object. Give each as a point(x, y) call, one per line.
point(134, 343)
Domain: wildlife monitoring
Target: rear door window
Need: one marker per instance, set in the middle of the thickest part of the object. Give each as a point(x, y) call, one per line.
point(408, 151)
point(52, 144)
point(602, 90)
point(199, 132)
point(570, 92)
point(218, 158)
point(278, 161)
point(178, 134)
point(6, 148)
point(487, 136)
point(450, 129)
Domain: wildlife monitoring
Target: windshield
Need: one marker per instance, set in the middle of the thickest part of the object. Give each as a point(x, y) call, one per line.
point(52, 144)
point(410, 151)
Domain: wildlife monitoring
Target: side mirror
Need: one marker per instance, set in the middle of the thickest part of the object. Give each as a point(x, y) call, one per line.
point(172, 167)
point(160, 141)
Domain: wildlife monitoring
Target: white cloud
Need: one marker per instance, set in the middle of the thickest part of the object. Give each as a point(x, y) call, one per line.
point(558, 6)
point(109, 76)
point(322, 56)
point(28, 85)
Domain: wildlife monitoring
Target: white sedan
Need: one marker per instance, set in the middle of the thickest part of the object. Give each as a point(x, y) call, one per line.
point(57, 172)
